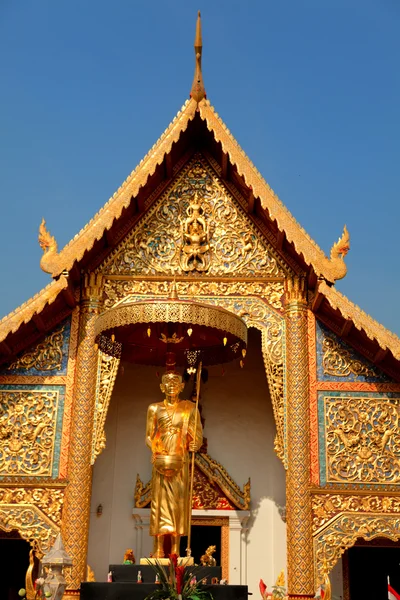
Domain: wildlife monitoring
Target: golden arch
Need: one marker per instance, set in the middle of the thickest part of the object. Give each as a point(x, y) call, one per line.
point(342, 533)
point(32, 525)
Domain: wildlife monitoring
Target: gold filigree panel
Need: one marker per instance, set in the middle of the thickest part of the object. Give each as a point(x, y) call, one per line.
point(48, 500)
point(362, 439)
point(27, 432)
point(34, 512)
point(232, 246)
point(116, 290)
point(45, 356)
point(343, 532)
point(106, 373)
point(339, 362)
point(327, 506)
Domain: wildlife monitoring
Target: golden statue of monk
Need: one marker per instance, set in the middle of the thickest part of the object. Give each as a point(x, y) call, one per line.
point(171, 435)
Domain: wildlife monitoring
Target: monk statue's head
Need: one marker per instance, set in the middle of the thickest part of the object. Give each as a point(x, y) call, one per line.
point(171, 384)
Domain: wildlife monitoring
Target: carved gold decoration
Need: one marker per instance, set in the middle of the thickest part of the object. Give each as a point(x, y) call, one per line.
point(75, 525)
point(230, 244)
point(90, 574)
point(45, 356)
point(48, 500)
point(362, 439)
point(27, 432)
point(298, 503)
point(29, 583)
point(194, 250)
point(56, 262)
point(216, 474)
point(330, 269)
point(32, 525)
point(69, 393)
point(116, 290)
point(312, 368)
point(360, 319)
point(174, 339)
point(106, 373)
point(176, 311)
point(207, 495)
point(338, 361)
point(34, 306)
point(35, 513)
point(343, 532)
point(33, 379)
point(327, 506)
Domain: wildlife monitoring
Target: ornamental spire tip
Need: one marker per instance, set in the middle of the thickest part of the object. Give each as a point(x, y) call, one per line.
point(198, 92)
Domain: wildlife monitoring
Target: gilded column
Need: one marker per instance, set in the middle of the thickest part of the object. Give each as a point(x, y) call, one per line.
point(298, 499)
point(76, 512)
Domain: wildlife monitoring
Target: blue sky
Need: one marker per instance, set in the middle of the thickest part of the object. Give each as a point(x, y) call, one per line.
point(310, 89)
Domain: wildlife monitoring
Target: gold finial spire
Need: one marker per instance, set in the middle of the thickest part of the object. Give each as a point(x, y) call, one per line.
point(198, 92)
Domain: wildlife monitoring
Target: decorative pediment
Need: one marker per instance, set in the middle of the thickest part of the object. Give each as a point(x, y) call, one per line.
point(213, 488)
point(196, 227)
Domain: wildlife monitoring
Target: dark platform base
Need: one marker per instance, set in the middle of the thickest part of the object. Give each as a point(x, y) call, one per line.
point(137, 591)
point(128, 573)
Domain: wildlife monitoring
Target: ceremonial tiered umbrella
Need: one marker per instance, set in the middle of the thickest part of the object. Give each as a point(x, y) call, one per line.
point(149, 332)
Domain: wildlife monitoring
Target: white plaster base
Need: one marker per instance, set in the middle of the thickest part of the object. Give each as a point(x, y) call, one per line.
point(237, 538)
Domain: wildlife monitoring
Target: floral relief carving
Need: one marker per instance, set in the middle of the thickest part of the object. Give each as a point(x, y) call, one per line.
point(181, 234)
point(27, 432)
point(45, 356)
point(338, 361)
point(117, 290)
point(362, 439)
point(34, 512)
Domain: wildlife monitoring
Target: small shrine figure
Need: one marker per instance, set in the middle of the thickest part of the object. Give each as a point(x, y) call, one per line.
point(207, 559)
point(195, 239)
point(139, 577)
point(129, 557)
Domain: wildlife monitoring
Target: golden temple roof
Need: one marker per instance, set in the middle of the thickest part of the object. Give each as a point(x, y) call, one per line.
point(360, 319)
point(35, 305)
point(333, 268)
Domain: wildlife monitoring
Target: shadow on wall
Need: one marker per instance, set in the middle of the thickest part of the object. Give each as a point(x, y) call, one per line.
point(240, 427)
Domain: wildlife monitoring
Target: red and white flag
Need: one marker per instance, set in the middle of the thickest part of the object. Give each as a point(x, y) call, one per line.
point(392, 594)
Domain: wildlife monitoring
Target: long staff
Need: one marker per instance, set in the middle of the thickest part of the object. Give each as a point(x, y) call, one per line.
point(198, 379)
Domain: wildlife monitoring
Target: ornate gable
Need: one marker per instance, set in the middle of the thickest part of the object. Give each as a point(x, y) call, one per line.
point(196, 227)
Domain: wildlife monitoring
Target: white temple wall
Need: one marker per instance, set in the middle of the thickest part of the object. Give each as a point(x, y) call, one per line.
point(240, 430)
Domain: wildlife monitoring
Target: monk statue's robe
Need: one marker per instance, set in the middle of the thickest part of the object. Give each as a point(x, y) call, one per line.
point(171, 435)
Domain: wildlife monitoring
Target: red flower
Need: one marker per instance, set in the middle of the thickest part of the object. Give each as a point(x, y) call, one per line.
point(174, 560)
point(263, 589)
point(179, 571)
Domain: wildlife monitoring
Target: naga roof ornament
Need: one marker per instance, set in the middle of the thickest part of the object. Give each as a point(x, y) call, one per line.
point(48, 244)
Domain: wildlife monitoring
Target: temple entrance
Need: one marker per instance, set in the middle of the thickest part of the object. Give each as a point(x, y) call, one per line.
point(369, 566)
point(14, 552)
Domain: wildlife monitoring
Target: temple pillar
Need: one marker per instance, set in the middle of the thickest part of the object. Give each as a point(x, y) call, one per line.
point(76, 511)
point(298, 500)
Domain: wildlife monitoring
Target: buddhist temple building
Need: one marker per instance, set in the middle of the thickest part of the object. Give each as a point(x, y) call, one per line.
point(300, 463)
